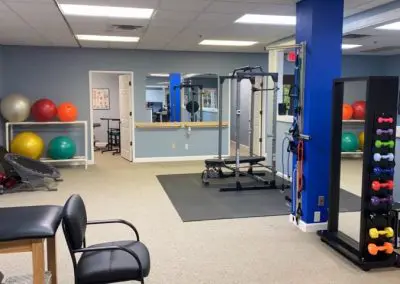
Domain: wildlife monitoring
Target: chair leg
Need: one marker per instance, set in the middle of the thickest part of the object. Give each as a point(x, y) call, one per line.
point(52, 259)
point(38, 261)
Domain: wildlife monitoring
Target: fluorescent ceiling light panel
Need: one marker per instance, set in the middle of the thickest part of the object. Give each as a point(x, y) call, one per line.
point(108, 38)
point(159, 74)
point(393, 26)
point(267, 20)
point(227, 42)
point(105, 11)
point(350, 46)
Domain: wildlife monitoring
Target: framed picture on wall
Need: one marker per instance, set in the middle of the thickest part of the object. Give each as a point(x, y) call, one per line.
point(101, 99)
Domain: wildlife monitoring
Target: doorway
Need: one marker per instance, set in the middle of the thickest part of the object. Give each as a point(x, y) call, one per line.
point(111, 114)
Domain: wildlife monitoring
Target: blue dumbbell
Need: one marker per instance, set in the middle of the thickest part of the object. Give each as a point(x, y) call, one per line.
point(379, 171)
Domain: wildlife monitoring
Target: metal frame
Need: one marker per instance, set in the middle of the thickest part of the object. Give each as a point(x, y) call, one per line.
point(239, 74)
point(381, 98)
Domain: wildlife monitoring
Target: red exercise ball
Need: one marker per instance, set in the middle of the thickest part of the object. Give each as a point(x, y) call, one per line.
point(358, 110)
point(67, 112)
point(44, 110)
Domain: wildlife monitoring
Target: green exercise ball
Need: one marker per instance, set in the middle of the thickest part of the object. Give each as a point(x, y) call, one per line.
point(349, 142)
point(61, 148)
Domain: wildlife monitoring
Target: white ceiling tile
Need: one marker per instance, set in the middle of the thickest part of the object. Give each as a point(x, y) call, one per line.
point(94, 44)
point(256, 8)
point(152, 4)
point(173, 19)
point(160, 32)
point(214, 20)
point(184, 5)
point(28, 1)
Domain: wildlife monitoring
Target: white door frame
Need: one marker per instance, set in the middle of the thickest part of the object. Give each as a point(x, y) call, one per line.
point(92, 161)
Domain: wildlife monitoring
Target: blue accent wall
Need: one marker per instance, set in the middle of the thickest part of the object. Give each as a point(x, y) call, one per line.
point(63, 74)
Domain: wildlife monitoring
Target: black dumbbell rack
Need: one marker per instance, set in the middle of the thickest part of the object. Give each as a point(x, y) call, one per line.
point(377, 175)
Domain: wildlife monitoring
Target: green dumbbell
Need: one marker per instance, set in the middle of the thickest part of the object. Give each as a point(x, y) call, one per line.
point(379, 144)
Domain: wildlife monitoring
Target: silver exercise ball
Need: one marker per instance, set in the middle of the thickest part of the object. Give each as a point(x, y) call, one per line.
point(15, 108)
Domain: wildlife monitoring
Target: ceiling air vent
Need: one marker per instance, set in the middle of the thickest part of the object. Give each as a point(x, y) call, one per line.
point(383, 49)
point(126, 27)
point(355, 36)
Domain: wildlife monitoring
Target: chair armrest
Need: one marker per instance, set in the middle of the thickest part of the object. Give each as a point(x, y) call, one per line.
point(107, 248)
point(116, 221)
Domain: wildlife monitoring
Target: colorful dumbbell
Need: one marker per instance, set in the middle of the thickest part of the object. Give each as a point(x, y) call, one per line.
point(375, 201)
point(376, 185)
point(374, 233)
point(378, 157)
point(380, 171)
point(382, 131)
point(380, 144)
point(385, 120)
point(387, 247)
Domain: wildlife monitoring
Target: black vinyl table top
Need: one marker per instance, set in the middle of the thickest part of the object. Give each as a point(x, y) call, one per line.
point(29, 222)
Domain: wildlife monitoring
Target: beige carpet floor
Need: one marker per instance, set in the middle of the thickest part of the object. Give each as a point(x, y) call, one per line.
point(244, 251)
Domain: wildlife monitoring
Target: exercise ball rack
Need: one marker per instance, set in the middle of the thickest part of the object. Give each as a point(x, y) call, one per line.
point(82, 160)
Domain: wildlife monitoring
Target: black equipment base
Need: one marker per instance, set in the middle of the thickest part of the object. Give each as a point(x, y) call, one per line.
point(240, 187)
point(348, 247)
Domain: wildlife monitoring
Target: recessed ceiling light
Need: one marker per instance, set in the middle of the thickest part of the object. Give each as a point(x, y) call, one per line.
point(159, 74)
point(393, 26)
point(267, 20)
point(105, 11)
point(108, 38)
point(227, 42)
point(350, 46)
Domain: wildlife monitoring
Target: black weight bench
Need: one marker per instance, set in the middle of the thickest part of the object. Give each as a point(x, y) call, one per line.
point(213, 167)
point(232, 160)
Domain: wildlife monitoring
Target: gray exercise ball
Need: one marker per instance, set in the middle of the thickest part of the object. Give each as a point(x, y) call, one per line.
point(15, 108)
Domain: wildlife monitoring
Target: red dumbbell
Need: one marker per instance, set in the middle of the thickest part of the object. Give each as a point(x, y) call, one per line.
point(385, 120)
point(376, 185)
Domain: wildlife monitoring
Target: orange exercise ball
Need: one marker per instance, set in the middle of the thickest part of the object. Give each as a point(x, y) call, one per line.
point(347, 112)
point(67, 112)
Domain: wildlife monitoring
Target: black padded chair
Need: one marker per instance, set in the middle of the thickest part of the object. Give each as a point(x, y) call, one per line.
point(109, 262)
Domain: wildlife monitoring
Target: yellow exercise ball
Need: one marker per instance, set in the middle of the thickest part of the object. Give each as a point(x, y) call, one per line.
point(361, 139)
point(28, 144)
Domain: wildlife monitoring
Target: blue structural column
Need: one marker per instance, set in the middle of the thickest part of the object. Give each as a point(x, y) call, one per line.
point(175, 96)
point(319, 24)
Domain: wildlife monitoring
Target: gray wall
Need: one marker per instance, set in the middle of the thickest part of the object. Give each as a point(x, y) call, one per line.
point(109, 81)
point(62, 74)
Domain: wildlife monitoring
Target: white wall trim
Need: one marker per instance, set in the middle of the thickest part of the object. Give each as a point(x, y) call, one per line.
point(308, 227)
point(91, 109)
point(174, 159)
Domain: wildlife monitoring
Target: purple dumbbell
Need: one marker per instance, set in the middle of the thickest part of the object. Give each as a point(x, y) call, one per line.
point(378, 157)
point(376, 200)
point(379, 171)
point(382, 131)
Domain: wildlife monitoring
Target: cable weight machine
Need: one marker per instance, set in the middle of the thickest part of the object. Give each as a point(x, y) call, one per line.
point(235, 163)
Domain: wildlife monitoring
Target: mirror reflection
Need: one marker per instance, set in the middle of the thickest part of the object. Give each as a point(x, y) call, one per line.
point(177, 97)
point(352, 143)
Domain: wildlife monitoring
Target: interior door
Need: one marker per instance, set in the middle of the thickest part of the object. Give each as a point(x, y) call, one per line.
point(125, 107)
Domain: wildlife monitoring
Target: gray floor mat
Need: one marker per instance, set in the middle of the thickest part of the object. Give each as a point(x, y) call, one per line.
point(194, 202)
